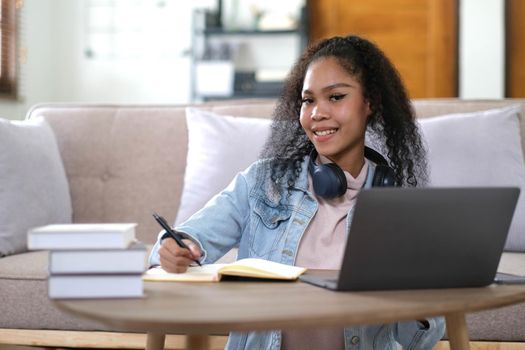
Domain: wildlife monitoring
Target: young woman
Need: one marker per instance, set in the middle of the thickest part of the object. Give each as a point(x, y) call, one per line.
point(294, 205)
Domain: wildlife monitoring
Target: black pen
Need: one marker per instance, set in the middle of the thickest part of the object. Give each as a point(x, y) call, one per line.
point(162, 222)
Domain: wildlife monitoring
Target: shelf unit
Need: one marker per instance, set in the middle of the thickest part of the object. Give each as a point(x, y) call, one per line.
point(244, 83)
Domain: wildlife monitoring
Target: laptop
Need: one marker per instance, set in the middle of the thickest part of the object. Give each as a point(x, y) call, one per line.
point(417, 238)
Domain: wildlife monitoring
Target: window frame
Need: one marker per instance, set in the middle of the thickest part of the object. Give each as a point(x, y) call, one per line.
point(8, 81)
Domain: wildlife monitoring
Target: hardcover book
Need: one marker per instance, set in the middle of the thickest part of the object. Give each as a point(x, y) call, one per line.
point(95, 286)
point(129, 260)
point(81, 236)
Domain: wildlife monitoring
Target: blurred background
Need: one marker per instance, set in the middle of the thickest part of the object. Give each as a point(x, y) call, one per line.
point(173, 51)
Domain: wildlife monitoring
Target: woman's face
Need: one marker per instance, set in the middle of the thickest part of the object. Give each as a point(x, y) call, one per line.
point(334, 113)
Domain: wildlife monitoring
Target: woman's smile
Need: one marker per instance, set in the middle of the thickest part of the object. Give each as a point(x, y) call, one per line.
point(324, 134)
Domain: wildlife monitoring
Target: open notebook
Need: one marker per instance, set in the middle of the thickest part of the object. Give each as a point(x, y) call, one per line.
point(251, 268)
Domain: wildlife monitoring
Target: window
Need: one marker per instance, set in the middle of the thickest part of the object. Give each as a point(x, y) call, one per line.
point(8, 47)
point(126, 30)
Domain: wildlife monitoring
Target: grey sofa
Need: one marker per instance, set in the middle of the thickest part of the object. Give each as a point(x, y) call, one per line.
point(132, 160)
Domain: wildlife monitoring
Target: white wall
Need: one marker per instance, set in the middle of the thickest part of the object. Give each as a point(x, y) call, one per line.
point(482, 49)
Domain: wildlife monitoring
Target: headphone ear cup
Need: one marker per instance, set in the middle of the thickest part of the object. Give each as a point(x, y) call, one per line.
point(384, 177)
point(329, 181)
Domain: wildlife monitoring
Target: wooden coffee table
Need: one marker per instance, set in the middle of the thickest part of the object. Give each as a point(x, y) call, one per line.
point(201, 309)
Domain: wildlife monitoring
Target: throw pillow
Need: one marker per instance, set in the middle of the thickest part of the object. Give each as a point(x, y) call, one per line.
point(33, 185)
point(479, 149)
point(218, 148)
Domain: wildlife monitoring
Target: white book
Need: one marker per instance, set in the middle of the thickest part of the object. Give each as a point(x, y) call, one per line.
point(130, 260)
point(95, 286)
point(81, 236)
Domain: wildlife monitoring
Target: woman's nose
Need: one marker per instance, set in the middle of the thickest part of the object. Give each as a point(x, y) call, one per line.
point(318, 112)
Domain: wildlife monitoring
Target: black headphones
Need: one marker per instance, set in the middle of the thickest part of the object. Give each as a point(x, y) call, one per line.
point(329, 180)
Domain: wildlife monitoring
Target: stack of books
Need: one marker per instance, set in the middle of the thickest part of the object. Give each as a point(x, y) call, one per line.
point(91, 260)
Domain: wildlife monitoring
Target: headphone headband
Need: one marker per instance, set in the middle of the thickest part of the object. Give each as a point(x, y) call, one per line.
point(375, 156)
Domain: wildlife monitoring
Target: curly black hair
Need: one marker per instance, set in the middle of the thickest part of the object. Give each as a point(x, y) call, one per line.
point(392, 119)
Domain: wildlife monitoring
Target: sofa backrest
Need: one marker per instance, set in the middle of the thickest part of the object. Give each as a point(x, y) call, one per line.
point(123, 162)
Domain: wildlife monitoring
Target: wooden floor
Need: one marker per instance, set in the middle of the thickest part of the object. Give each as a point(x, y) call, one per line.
point(30, 339)
point(45, 340)
point(485, 346)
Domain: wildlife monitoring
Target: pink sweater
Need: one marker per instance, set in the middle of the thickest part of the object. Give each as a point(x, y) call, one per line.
point(322, 247)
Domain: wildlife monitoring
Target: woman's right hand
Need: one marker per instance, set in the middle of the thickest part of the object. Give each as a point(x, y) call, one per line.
point(176, 259)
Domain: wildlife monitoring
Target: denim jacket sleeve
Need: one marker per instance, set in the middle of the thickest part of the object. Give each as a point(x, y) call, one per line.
point(218, 226)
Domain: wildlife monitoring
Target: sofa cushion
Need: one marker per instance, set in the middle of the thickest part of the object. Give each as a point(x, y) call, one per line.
point(25, 304)
point(27, 266)
point(496, 324)
point(479, 149)
point(33, 186)
point(426, 108)
point(217, 151)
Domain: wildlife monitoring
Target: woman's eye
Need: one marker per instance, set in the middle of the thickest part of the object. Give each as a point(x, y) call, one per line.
point(337, 97)
point(306, 100)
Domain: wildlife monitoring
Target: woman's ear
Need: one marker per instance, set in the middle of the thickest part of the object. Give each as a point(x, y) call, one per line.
point(368, 109)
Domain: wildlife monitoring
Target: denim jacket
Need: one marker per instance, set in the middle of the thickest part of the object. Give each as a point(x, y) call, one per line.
point(264, 221)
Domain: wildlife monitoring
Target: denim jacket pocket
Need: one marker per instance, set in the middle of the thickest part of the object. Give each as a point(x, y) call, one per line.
point(269, 227)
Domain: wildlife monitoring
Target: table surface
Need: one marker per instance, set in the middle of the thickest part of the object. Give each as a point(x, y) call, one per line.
point(217, 308)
